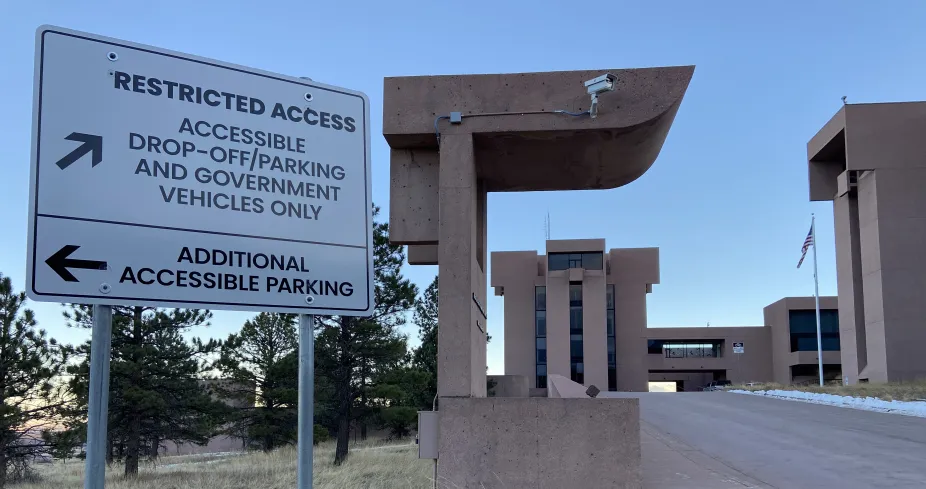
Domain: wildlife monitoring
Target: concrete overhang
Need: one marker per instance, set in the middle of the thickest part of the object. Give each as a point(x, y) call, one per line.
point(826, 157)
point(520, 143)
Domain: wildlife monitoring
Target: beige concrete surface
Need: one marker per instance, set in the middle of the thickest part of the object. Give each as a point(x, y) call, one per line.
point(669, 463)
point(868, 159)
point(539, 443)
point(783, 444)
point(510, 386)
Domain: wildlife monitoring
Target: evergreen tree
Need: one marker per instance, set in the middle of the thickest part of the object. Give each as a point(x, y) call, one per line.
point(29, 399)
point(261, 363)
point(157, 387)
point(351, 351)
point(425, 356)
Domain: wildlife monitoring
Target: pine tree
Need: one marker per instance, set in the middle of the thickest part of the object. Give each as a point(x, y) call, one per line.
point(425, 356)
point(260, 362)
point(351, 351)
point(29, 398)
point(157, 388)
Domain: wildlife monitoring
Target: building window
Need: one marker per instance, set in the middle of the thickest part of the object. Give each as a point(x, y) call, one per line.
point(803, 326)
point(563, 261)
point(540, 331)
point(612, 341)
point(705, 348)
point(576, 355)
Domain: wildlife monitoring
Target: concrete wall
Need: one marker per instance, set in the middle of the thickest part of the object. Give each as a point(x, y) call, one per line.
point(869, 160)
point(514, 276)
point(754, 365)
point(633, 272)
point(777, 319)
point(493, 443)
point(510, 386)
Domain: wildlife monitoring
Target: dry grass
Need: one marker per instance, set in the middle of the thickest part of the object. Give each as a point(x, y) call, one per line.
point(907, 391)
point(371, 467)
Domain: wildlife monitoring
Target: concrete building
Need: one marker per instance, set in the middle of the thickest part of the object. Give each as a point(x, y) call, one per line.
point(870, 160)
point(580, 312)
point(452, 140)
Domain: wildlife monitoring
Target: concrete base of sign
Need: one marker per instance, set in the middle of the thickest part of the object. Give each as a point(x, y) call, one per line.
point(510, 386)
point(490, 443)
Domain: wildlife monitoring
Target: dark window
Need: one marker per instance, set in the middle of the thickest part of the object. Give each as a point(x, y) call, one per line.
point(593, 260)
point(540, 331)
point(575, 319)
point(575, 294)
point(612, 340)
point(577, 372)
point(541, 351)
point(557, 261)
point(541, 376)
point(575, 332)
point(803, 326)
point(706, 348)
point(575, 347)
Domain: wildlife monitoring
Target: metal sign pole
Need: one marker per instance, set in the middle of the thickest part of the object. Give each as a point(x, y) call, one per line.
point(306, 399)
point(98, 404)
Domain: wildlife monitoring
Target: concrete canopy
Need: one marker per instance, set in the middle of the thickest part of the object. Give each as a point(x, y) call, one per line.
point(520, 144)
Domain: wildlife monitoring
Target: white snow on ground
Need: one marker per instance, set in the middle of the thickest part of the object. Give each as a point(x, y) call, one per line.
point(908, 408)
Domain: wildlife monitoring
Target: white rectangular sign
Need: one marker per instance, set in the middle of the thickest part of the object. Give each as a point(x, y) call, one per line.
point(738, 347)
point(165, 179)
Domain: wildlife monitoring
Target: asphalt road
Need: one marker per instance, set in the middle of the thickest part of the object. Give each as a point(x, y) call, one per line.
point(720, 440)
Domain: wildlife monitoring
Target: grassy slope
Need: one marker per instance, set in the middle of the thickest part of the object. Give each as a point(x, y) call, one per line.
point(370, 468)
point(910, 391)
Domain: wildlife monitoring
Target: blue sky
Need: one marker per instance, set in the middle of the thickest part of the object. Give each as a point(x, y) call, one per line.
point(726, 202)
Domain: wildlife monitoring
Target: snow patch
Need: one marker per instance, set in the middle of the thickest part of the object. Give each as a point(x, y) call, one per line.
point(907, 408)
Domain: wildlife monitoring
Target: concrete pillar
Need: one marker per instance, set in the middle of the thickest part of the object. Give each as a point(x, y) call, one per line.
point(852, 336)
point(461, 369)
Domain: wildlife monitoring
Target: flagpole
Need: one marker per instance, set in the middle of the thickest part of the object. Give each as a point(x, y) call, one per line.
point(816, 295)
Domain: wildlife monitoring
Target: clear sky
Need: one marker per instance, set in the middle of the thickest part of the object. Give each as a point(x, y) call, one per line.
point(726, 202)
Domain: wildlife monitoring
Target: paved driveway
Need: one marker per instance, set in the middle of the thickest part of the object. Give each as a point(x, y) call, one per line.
point(719, 440)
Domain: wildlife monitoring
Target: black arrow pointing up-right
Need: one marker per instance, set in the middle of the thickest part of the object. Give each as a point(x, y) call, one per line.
point(59, 262)
point(91, 143)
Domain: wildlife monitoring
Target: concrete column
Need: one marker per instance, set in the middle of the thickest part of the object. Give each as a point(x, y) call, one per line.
point(461, 370)
point(852, 337)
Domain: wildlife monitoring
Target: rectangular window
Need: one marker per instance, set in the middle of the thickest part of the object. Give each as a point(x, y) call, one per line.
point(803, 327)
point(576, 354)
point(612, 340)
point(540, 332)
point(593, 260)
point(541, 321)
point(541, 351)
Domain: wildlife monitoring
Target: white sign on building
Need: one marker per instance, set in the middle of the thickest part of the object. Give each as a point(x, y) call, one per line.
point(165, 179)
point(738, 347)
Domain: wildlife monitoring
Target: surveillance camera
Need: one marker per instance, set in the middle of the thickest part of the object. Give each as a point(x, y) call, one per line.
point(596, 86)
point(600, 84)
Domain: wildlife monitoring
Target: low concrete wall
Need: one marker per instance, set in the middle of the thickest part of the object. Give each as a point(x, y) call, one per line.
point(539, 443)
point(510, 386)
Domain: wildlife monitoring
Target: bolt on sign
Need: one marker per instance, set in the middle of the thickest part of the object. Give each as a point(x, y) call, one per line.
point(164, 179)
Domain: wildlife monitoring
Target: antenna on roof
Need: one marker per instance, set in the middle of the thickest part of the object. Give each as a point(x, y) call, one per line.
point(546, 226)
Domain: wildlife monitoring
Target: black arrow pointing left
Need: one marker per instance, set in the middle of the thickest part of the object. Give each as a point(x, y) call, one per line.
point(59, 262)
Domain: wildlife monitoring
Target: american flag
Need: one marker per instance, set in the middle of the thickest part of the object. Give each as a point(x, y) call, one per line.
point(808, 242)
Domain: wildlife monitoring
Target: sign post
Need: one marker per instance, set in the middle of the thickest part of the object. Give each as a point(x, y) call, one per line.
point(98, 402)
point(306, 419)
point(168, 180)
